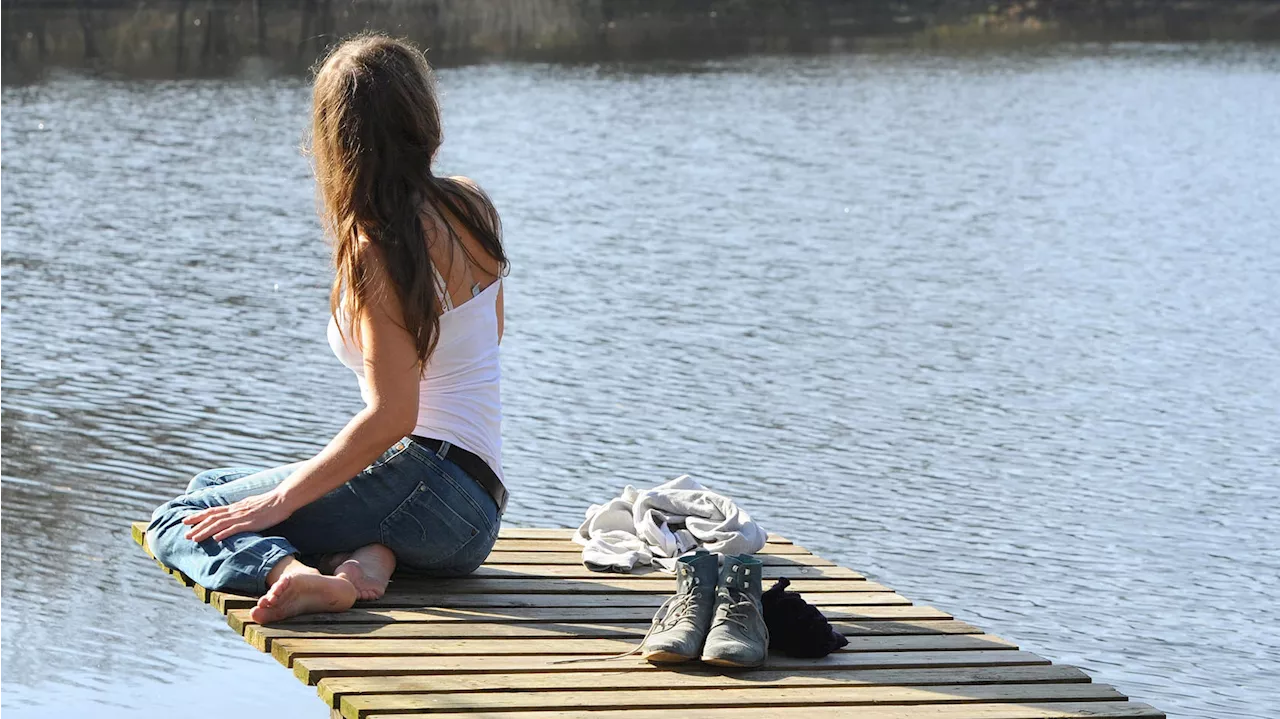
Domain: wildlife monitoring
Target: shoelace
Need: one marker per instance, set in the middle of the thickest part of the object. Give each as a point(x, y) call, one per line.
point(676, 605)
point(734, 613)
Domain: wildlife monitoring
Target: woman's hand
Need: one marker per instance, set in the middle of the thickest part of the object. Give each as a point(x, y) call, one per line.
point(252, 514)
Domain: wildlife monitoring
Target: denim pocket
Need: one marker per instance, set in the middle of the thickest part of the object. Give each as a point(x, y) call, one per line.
point(425, 531)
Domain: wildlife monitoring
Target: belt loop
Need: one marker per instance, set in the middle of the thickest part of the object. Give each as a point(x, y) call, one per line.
point(444, 450)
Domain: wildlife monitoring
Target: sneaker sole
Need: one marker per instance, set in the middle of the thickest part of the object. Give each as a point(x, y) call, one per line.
point(714, 661)
point(666, 658)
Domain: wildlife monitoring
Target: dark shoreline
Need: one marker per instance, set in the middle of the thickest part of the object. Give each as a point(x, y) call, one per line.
point(177, 38)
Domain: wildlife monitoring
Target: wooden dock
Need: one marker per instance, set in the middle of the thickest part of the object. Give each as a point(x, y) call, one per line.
point(484, 646)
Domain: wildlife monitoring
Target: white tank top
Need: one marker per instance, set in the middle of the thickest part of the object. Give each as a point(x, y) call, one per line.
point(459, 399)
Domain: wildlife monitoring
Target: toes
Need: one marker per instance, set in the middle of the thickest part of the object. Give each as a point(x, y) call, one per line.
point(276, 593)
point(366, 589)
point(261, 615)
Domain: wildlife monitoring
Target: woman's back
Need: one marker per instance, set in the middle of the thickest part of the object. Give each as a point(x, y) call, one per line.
point(459, 399)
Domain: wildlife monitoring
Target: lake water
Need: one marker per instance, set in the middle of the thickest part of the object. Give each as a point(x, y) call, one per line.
point(1001, 330)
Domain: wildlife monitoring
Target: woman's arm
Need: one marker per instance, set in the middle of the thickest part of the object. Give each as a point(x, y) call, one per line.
point(393, 374)
point(502, 312)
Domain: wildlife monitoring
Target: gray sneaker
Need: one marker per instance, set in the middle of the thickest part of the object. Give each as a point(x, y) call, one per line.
point(738, 635)
point(681, 623)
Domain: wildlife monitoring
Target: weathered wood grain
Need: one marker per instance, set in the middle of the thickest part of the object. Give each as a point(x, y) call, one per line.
point(359, 706)
point(691, 677)
point(574, 558)
point(313, 669)
point(556, 545)
point(286, 651)
point(239, 618)
point(563, 533)
point(534, 571)
point(262, 636)
point(1055, 710)
point(597, 584)
point(479, 599)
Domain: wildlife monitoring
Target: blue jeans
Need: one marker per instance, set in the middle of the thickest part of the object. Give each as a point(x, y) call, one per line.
point(435, 518)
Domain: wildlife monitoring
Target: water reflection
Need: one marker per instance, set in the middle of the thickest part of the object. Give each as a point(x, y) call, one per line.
point(998, 329)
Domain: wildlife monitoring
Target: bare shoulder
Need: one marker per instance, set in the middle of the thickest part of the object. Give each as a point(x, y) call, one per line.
point(468, 183)
point(474, 189)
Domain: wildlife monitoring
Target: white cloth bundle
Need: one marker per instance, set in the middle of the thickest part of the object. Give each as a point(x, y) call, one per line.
point(657, 526)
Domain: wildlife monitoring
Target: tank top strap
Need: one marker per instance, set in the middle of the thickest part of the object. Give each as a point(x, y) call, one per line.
point(442, 289)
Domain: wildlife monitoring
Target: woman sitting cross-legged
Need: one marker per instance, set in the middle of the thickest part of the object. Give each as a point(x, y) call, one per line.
point(414, 478)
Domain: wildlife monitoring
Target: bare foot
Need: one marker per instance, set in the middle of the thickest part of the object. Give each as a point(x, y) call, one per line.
point(329, 563)
point(369, 569)
point(303, 592)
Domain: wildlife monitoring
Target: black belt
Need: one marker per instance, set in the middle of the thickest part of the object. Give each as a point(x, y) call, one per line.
point(479, 469)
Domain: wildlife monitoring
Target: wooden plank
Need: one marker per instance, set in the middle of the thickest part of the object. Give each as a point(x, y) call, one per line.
point(866, 628)
point(1053, 710)
point(261, 637)
point(287, 650)
point(360, 706)
point(693, 676)
point(575, 558)
point(566, 534)
point(313, 669)
point(537, 532)
point(535, 571)
point(226, 602)
point(537, 545)
point(425, 593)
point(597, 584)
point(239, 618)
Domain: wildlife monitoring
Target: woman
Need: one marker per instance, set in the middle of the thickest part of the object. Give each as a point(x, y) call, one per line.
point(417, 313)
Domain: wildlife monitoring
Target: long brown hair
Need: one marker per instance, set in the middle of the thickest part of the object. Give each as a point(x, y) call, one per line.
point(375, 131)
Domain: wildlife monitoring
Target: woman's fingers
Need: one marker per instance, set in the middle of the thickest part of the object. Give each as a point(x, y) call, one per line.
point(222, 522)
point(200, 516)
point(200, 532)
point(212, 529)
point(197, 522)
point(232, 530)
point(209, 525)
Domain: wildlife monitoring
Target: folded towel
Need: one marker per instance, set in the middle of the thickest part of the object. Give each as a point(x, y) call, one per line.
point(657, 526)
